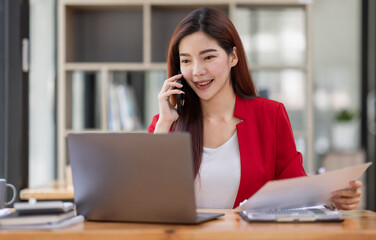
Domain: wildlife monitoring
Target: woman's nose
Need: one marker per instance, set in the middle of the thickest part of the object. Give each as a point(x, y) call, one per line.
point(198, 69)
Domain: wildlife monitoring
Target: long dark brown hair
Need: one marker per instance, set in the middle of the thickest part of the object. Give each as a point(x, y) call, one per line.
point(216, 24)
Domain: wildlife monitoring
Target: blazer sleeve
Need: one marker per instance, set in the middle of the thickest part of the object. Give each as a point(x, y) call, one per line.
point(289, 162)
point(153, 123)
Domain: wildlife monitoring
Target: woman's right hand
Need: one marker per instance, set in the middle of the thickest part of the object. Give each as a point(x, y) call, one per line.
point(167, 112)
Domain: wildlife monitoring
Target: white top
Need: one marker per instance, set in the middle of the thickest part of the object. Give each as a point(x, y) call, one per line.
point(217, 183)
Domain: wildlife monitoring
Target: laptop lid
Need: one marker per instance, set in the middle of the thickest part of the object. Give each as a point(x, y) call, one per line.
point(137, 177)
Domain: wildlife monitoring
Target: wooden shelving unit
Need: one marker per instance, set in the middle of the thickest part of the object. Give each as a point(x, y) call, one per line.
point(101, 39)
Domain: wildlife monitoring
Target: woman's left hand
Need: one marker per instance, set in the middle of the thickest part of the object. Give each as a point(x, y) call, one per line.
point(348, 198)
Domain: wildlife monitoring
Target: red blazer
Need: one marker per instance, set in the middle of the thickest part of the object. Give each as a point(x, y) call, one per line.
point(266, 144)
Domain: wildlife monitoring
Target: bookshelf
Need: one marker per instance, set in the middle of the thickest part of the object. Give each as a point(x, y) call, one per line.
point(111, 61)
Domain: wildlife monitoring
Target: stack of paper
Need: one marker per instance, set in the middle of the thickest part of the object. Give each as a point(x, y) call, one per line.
point(44, 215)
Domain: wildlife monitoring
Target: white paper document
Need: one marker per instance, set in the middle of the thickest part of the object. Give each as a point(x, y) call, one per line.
point(302, 191)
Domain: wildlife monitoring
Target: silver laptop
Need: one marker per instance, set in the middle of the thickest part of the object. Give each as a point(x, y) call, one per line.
point(134, 177)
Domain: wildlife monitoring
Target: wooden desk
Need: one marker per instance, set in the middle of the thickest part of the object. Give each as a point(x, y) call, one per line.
point(359, 224)
point(54, 190)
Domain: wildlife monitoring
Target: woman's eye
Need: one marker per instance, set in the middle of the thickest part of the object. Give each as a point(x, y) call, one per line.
point(209, 57)
point(184, 61)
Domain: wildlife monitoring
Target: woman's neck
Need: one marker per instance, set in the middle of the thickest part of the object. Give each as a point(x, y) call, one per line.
point(220, 107)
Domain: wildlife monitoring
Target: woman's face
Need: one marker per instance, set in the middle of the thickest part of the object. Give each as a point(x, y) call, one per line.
point(206, 66)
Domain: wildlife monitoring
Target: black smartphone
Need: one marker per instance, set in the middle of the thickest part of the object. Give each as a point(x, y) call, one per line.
point(179, 97)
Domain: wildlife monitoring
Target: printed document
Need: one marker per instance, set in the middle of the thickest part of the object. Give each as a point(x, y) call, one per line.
point(301, 192)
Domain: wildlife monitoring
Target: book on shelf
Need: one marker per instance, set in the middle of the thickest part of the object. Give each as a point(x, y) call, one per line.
point(85, 100)
point(78, 104)
point(113, 109)
point(127, 106)
point(122, 104)
point(90, 95)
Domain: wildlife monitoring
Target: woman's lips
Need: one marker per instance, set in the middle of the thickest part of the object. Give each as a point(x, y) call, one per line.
point(203, 84)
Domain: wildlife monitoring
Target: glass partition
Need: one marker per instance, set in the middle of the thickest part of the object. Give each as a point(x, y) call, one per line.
point(272, 35)
point(288, 86)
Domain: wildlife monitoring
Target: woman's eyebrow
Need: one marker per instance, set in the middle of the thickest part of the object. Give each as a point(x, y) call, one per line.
point(201, 52)
point(208, 50)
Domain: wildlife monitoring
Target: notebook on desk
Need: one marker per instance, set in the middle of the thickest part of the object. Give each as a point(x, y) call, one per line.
point(134, 177)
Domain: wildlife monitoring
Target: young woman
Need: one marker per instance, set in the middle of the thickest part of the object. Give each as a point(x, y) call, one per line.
point(240, 141)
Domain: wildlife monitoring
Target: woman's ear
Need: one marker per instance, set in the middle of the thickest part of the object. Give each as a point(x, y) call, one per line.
point(234, 57)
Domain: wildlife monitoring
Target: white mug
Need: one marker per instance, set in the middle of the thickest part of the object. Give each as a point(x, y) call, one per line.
point(3, 187)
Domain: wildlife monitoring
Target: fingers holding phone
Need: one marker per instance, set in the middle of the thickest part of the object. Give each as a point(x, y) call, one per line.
point(170, 84)
point(167, 102)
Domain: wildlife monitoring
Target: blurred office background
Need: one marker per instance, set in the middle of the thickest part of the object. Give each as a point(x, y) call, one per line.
point(319, 61)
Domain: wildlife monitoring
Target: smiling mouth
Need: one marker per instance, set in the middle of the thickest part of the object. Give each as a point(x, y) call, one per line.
point(204, 84)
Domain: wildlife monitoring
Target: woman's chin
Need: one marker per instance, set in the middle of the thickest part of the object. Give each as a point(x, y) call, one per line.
point(205, 97)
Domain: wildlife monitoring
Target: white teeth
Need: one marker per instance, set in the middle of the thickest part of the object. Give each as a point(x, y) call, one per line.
point(203, 83)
